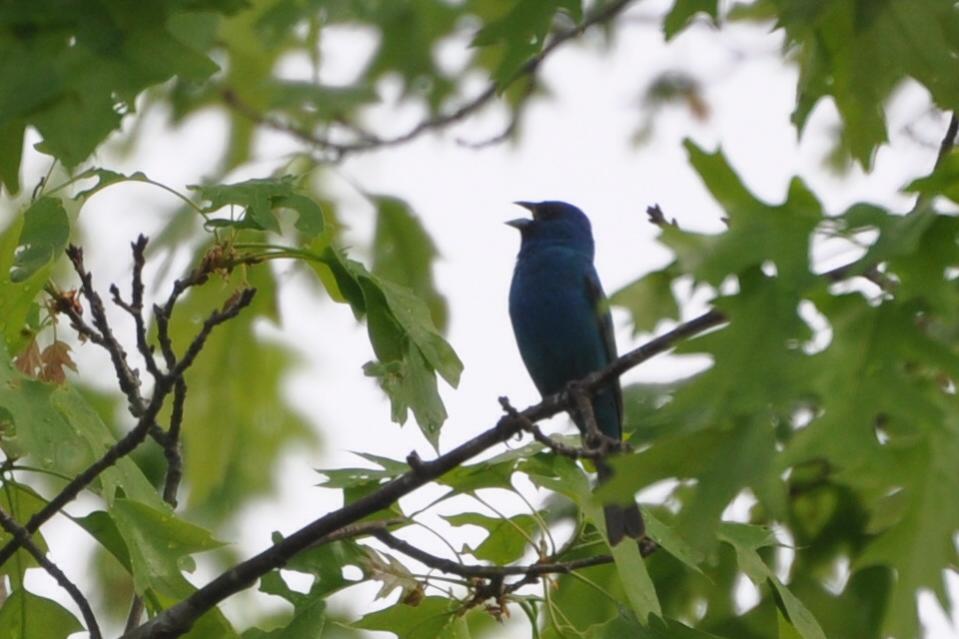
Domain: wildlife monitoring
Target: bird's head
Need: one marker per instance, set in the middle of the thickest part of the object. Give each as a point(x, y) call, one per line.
point(555, 223)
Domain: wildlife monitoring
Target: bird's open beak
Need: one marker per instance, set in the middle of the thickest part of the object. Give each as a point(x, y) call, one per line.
point(523, 222)
point(529, 206)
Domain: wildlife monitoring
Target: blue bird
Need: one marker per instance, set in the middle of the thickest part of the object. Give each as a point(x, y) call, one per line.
point(563, 330)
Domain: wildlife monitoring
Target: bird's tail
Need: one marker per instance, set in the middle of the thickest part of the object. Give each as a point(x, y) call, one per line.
point(622, 520)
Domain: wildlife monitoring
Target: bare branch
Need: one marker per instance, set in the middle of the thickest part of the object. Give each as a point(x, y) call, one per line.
point(550, 566)
point(128, 378)
point(369, 142)
point(128, 381)
point(19, 533)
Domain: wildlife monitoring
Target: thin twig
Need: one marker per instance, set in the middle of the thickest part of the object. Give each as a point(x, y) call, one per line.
point(128, 379)
point(573, 452)
point(19, 533)
point(147, 416)
point(550, 566)
point(369, 142)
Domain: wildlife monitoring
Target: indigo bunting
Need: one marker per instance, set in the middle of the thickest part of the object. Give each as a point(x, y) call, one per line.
point(563, 330)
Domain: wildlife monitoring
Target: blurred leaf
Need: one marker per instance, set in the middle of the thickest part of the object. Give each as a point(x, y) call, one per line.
point(28, 616)
point(237, 421)
point(684, 11)
point(21, 503)
point(71, 71)
point(746, 540)
point(17, 299)
point(105, 178)
point(11, 150)
point(43, 237)
point(858, 52)
point(649, 300)
point(404, 253)
point(259, 197)
point(520, 33)
point(944, 180)
point(758, 232)
point(640, 590)
point(312, 102)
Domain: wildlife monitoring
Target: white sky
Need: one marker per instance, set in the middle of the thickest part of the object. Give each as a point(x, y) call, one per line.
point(574, 146)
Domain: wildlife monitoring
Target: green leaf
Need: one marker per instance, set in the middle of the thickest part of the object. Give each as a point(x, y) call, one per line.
point(649, 300)
point(159, 544)
point(758, 232)
point(21, 503)
point(671, 541)
point(105, 178)
point(326, 563)
point(944, 180)
point(17, 299)
point(429, 619)
point(242, 376)
point(309, 611)
point(404, 253)
point(411, 386)
point(311, 102)
point(657, 628)
point(859, 52)
point(520, 33)
point(28, 616)
point(683, 12)
point(71, 72)
point(345, 477)
point(102, 527)
point(746, 539)
point(405, 340)
point(11, 150)
point(507, 539)
point(639, 587)
point(43, 237)
point(259, 197)
point(57, 427)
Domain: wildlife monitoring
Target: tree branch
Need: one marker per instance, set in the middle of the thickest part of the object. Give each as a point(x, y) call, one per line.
point(129, 382)
point(369, 142)
point(179, 618)
point(20, 534)
point(463, 570)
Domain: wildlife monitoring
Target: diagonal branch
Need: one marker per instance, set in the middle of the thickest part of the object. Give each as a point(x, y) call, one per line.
point(19, 533)
point(179, 618)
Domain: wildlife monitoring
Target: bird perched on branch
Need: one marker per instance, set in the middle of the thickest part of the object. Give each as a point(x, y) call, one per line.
point(563, 329)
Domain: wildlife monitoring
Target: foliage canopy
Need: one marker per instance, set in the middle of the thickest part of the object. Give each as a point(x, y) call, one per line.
point(830, 399)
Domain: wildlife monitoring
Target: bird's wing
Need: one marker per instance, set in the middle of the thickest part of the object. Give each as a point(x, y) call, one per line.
point(597, 299)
